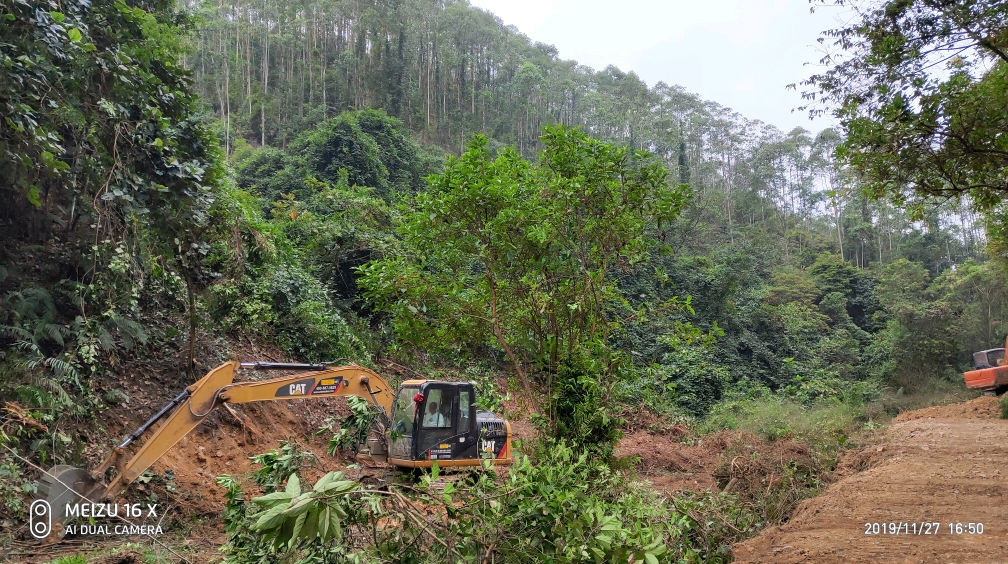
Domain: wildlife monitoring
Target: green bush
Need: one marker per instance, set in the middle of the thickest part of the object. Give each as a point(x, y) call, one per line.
point(699, 379)
point(290, 305)
point(562, 506)
point(772, 417)
point(580, 410)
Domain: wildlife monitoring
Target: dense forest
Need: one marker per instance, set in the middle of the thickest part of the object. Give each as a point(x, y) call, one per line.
point(766, 205)
point(416, 181)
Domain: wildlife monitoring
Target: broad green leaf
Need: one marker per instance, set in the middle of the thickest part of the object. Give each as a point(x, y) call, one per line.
point(293, 485)
point(298, 525)
point(272, 498)
point(324, 521)
point(320, 485)
point(335, 531)
point(270, 519)
point(310, 529)
point(299, 505)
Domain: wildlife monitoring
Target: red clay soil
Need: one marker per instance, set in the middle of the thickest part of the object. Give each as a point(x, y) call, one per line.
point(671, 459)
point(671, 465)
point(224, 441)
point(945, 464)
point(984, 407)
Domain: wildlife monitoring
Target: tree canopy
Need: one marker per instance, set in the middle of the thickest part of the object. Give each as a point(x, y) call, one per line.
point(920, 87)
point(504, 252)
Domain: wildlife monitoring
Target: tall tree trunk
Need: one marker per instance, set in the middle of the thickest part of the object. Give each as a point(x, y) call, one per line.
point(262, 104)
point(191, 365)
point(499, 334)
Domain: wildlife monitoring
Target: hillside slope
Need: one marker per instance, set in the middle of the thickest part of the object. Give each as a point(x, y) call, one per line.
point(940, 464)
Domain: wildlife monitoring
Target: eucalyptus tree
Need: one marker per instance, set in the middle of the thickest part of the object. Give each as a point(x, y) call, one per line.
point(448, 71)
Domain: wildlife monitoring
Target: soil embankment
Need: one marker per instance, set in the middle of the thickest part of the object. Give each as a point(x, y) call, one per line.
point(943, 465)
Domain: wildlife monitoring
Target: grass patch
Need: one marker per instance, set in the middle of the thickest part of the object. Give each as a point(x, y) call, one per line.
point(75, 559)
point(939, 392)
point(826, 425)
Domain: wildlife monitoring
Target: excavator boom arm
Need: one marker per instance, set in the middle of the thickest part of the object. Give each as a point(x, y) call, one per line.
point(216, 388)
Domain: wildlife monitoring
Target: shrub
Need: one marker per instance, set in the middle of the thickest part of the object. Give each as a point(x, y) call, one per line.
point(354, 428)
point(580, 412)
point(562, 506)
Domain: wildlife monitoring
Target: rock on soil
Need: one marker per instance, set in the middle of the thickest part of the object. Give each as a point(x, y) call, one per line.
point(945, 464)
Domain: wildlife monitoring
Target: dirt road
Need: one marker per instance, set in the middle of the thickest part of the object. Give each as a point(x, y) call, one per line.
point(938, 465)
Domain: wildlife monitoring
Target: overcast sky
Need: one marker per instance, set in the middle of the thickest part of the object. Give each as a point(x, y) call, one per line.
point(738, 53)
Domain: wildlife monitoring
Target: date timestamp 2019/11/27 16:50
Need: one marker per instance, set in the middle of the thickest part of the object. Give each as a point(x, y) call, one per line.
point(923, 528)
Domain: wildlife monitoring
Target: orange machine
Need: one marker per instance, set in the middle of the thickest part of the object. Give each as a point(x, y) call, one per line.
point(990, 372)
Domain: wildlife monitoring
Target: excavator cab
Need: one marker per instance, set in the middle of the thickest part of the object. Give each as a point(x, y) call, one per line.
point(988, 358)
point(990, 372)
point(435, 421)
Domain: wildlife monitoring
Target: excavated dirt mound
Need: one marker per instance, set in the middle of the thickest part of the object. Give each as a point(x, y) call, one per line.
point(983, 407)
point(224, 441)
point(939, 465)
point(669, 464)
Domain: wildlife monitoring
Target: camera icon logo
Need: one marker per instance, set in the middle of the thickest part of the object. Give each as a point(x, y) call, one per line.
point(40, 518)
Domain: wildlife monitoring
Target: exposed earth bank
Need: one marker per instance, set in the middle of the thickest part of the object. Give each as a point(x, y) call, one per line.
point(943, 465)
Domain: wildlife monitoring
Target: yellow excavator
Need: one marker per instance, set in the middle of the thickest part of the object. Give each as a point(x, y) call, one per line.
point(422, 423)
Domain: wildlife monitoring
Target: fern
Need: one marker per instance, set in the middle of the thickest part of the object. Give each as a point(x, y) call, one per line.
point(129, 331)
point(61, 399)
point(30, 323)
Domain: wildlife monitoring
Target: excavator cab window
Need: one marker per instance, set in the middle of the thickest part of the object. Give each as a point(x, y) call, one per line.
point(465, 404)
point(403, 416)
point(437, 408)
point(404, 410)
point(989, 358)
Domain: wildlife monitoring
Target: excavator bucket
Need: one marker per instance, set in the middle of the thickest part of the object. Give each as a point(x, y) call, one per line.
point(62, 486)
